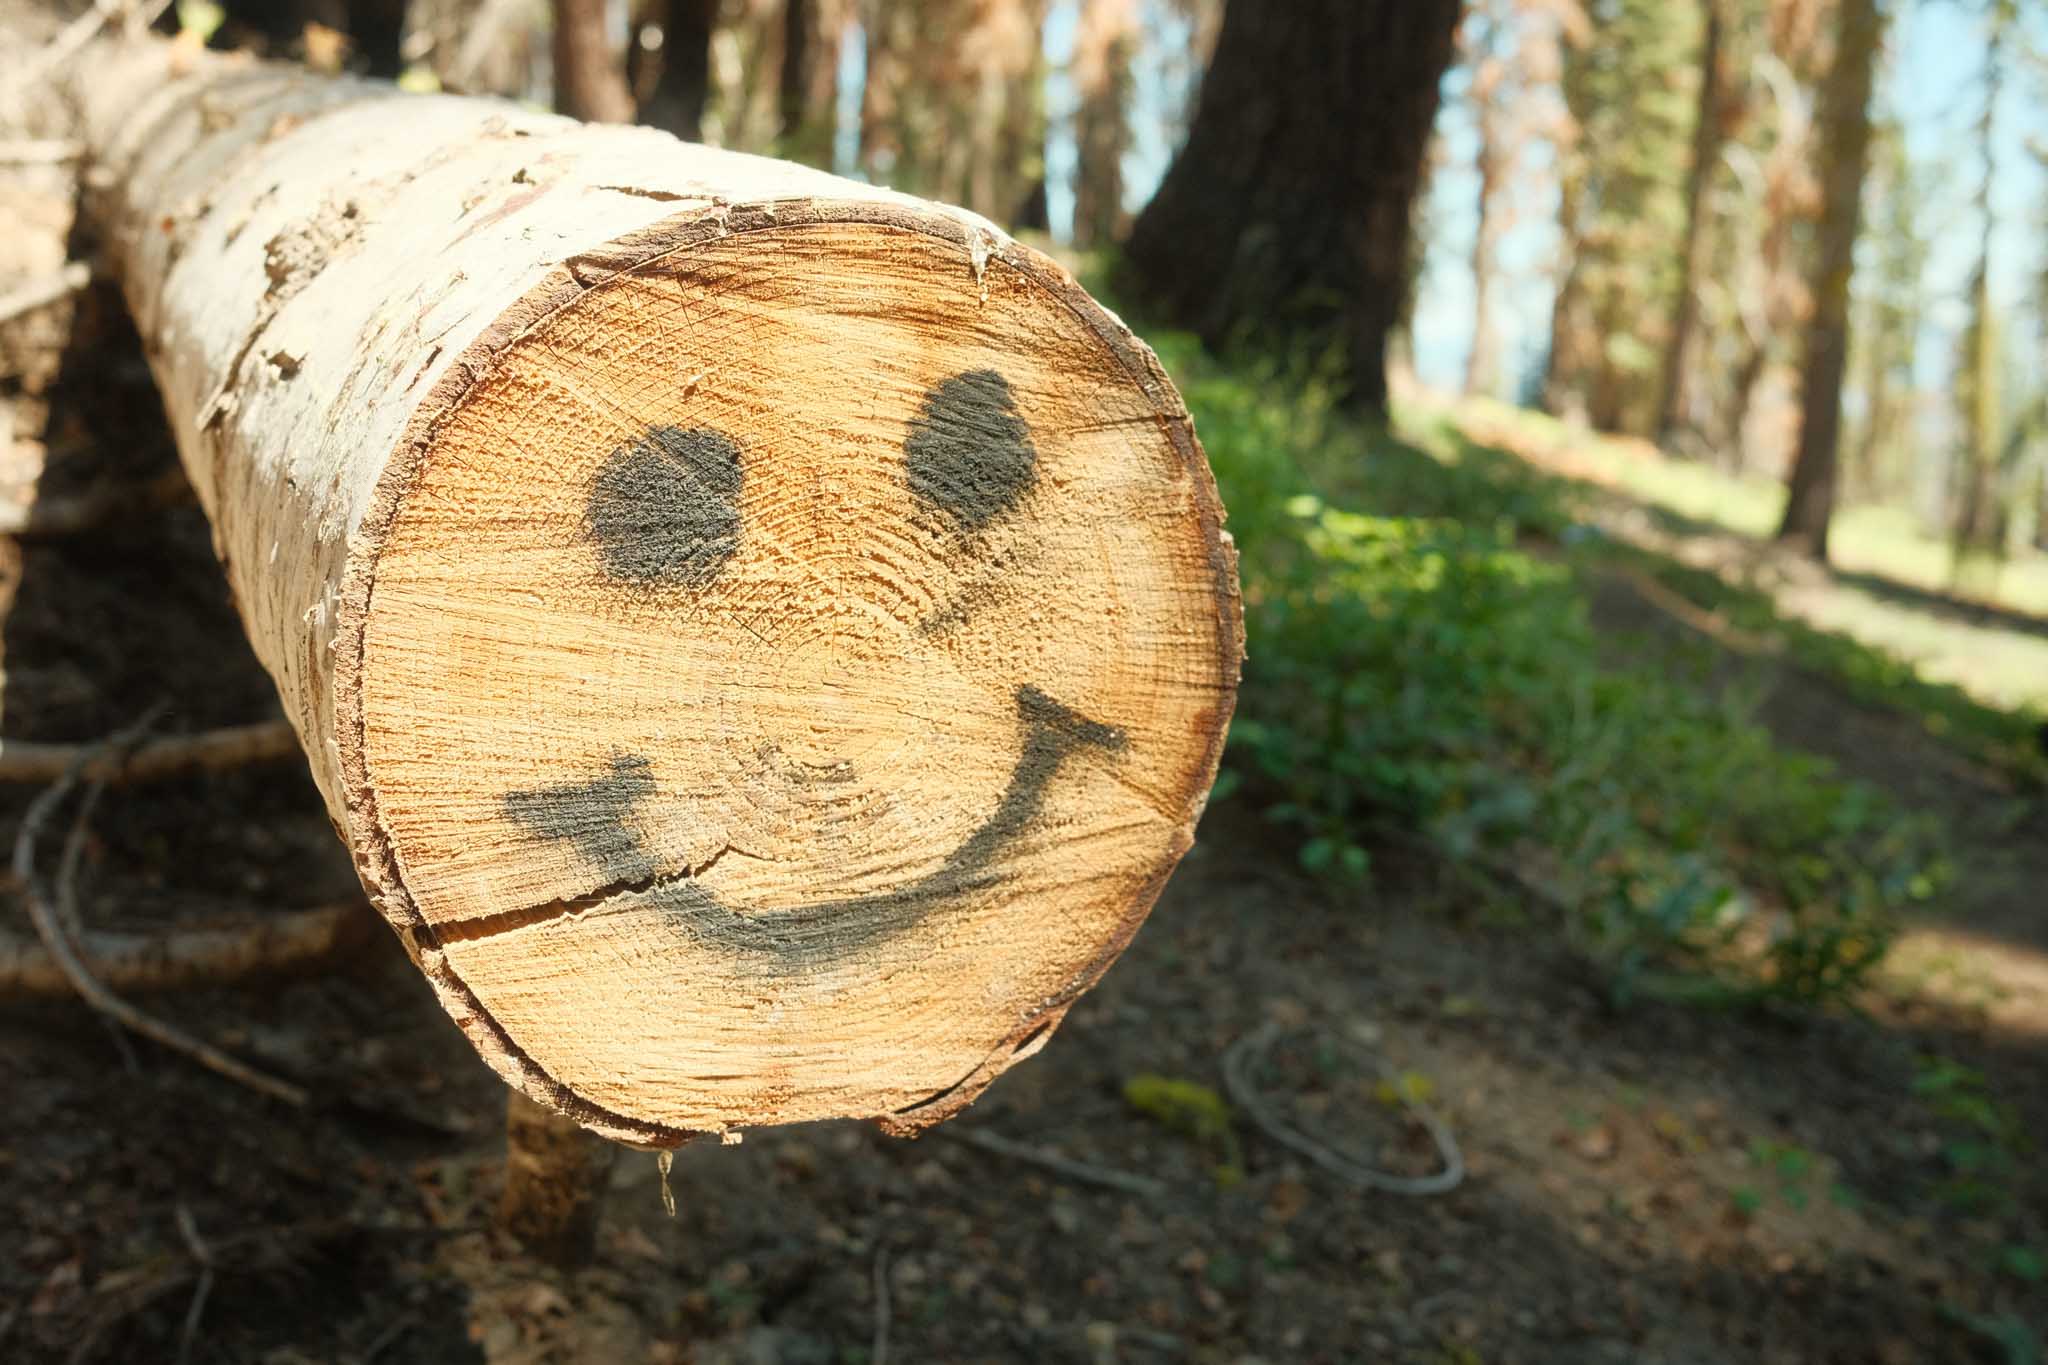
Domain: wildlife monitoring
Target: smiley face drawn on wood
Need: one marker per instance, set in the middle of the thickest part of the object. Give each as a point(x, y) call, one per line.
point(837, 680)
point(664, 510)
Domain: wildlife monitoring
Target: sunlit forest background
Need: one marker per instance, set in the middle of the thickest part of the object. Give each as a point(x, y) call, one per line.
point(1633, 418)
point(1593, 165)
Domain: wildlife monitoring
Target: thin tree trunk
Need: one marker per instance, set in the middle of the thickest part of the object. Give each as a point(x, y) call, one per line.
point(1564, 366)
point(1481, 365)
point(590, 77)
point(881, 142)
point(764, 640)
point(1980, 521)
point(1279, 216)
point(1102, 123)
point(1844, 156)
point(1706, 153)
point(793, 89)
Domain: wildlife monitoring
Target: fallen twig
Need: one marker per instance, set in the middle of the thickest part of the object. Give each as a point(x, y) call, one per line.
point(172, 756)
point(139, 15)
point(1238, 1059)
point(213, 955)
point(123, 1293)
point(1145, 1187)
point(189, 1230)
point(52, 518)
point(42, 292)
point(39, 152)
point(89, 987)
point(67, 907)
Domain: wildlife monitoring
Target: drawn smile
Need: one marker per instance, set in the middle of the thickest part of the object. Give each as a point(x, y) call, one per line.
point(598, 818)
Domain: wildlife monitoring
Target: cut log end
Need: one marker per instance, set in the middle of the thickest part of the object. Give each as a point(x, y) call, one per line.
point(786, 664)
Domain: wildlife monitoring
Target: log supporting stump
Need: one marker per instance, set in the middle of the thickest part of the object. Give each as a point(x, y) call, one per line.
point(555, 1177)
point(766, 639)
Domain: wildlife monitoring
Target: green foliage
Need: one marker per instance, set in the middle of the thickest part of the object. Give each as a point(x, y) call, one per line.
point(2004, 738)
point(1194, 1111)
point(1984, 1142)
point(1420, 658)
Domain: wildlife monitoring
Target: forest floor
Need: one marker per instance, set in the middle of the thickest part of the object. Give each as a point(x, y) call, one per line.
point(1662, 1184)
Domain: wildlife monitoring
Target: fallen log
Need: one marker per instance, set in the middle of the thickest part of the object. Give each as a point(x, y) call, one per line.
point(766, 640)
point(209, 955)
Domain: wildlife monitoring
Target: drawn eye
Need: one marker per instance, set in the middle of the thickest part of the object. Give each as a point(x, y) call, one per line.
point(969, 453)
point(665, 510)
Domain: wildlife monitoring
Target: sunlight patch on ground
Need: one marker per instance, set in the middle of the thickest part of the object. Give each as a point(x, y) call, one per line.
point(1885, 541)
point(2000, 667)
point(1943, 965)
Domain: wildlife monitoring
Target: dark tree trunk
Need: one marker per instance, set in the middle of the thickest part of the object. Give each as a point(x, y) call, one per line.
point(1287, 213)
point(590, 81)
point(277, 28)
point(793, 89)
point(1844, 155)
point(1706, 151)
point(808, 90)
point(677, 104)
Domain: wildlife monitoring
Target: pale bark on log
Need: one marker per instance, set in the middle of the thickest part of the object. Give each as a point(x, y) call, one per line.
point(766, 640)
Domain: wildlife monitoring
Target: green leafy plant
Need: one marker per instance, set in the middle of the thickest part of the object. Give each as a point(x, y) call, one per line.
point(1421, 663)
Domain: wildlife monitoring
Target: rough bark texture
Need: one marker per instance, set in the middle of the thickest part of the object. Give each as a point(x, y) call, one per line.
point(1708, 135)
point(590, 77)
point(1844, 127)
point(554, 1183)
point(765, 639)
point(1288, 210)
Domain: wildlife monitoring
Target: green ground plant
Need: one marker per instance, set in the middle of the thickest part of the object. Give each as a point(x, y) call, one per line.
point(1415, 664)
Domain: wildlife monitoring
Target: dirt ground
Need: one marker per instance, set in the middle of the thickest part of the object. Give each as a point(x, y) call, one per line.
point(1658, 1184)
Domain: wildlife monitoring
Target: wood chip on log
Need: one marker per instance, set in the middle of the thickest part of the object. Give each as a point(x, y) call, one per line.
point(765, 639)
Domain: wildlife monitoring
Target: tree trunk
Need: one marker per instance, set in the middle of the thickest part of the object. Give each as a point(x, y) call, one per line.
point(1706, 154)
point(1564, 368)
point(764, 639)
point(1490, 163)
point(809, 88)
point(1102, 124)
point(590, 77)
point(677, 105)
point(1844, 154)
point(1279, 216)
point(884, 27)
